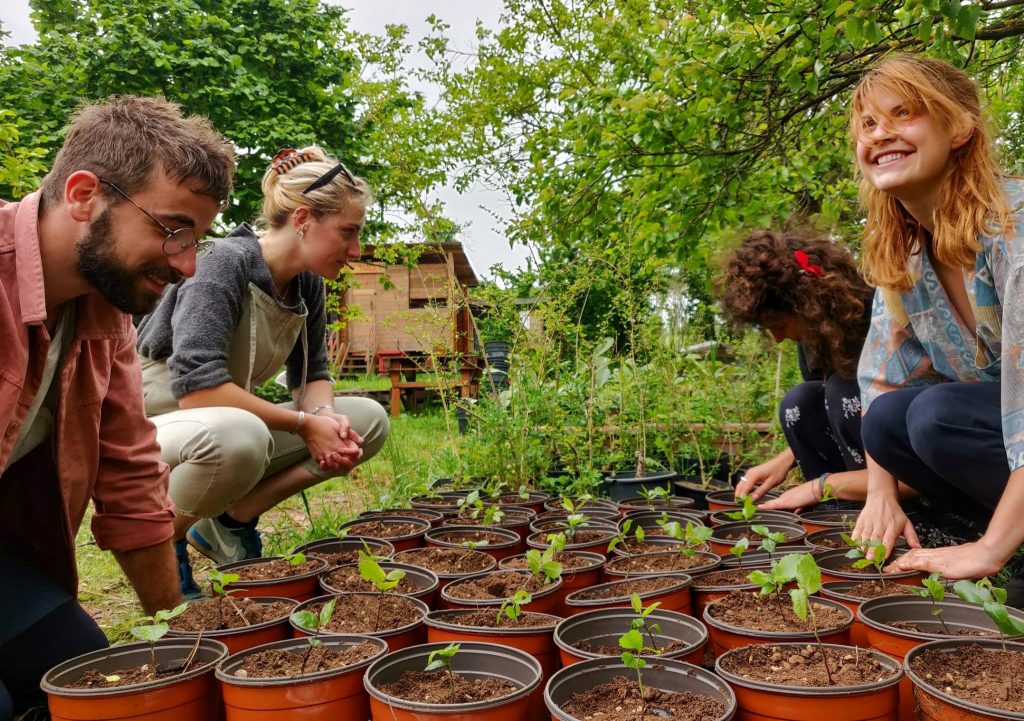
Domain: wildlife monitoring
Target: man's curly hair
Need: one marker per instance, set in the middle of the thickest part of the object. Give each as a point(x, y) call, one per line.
point(763, 281)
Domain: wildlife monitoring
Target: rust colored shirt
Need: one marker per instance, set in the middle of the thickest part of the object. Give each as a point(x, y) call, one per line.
point(103, 446)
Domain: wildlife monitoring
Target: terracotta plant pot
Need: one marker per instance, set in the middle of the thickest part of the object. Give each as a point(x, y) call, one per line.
point(544, 601)
point(605, 627)
point(726, 500)
point(538, 642)
point(829, 520)
point(300, 587)
point(325, 547)
point(665, 675)
point(315, 696)
point(431, 515)
point(935, 704)
point(426, 582)
point(400, 540)
point(446, 537)
point(473, 660)
point(239, 639)
point(719, 518)
point(639, 503)
point(722, 545)
point(397, 638)
point(486, 563)
point(705, 593)
point(535, 500)
point(674, 596)
point(959, 617)
point(764, 701)
point(725, 636)
point(597, 544)
point(631, 566)
point(573, 579)
point(191, 695)
point(832, 564)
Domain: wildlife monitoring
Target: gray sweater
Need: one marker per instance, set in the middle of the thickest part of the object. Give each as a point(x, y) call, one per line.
point(193, 325)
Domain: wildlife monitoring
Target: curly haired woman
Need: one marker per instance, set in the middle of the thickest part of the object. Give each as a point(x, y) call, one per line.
point(807, 290)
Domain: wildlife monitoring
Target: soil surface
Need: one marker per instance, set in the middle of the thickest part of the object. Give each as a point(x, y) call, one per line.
point(446, 561)
point(804, 666)
point(130, 676)
point(217, 614)
point(626, 589)
point(428, 516)
point(278, 568)
point(496, 619)
point(751, 536)
point(826, 542)
point(274, 663)
point(876, 589)
point(986, 677)
point(509, 520)
point(716, 579)
point(585, 536)
point(936, 629)
point(661, 562)
point(368, 614)
point(569, 560)
point(440, 687)
point(619, 700)
point(380, 529)
point(340, 558)
point(603, 650)
point(746, 609)
point(497, 585)
point(347, 579)
point(635, 548)
point(460, 537)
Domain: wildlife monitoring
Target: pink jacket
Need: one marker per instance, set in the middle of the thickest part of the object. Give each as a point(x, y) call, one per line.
point(105, 449)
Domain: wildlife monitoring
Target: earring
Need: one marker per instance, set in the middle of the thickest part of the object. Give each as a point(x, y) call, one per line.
point(302, 233)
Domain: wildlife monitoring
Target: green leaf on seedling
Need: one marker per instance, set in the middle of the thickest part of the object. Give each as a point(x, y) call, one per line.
point(933, 587)
point(442, 657)
point(636, 603)
point(799, 598)
point(296, 559)
point(1003, 620)
point(306, 619)
point(639, 534)
point(151, 633)
point(740, 547)
point(808, 575)
point(326, 611)
point(632, 640)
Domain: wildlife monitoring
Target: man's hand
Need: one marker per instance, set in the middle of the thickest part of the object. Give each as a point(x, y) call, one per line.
point(153, 573)
point(763, 477)
point(971, 560)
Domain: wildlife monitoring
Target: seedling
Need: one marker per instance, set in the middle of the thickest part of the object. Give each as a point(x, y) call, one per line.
point(442, 658)
point(871, 553)
point(523, 493)
point(152, 628)
point(747, 509)
point(692, 537)
point(632, 657)
point(370, 570)
point(295, 559)
point(808, 582)
point(640, 622)
point(992, 599)
point(781, 572)
point(739, 548)
point(623, 534)
point(492, 516)
point(471, 504)
point(655, 493)
point(543, 565)
point(218, 583)
point(933, 590)
point(513, 607)
point(318, 622)
point(769, 539)
point(473, 545)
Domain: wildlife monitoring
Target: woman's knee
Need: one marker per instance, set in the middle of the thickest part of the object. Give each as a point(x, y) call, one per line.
point(799, 401)
point(935, 426)
point(885, 424)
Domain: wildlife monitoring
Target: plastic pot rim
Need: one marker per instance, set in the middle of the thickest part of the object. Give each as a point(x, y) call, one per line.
point(455, 708)
point(490, 602)
point(780, 688)
point(992, 643)
point(310, 548)
point(220, 633)
point(682, 581)
point(143, 647)
point(840, 553)
point(868, 606)
point(435, 619)
point(431, 577)
point(242, 583)
point(772, 526)
point(598, 562)
point(627, 613)
point(533, 540)
point(510, 536)
point(782, 636)
point(228, 664)
point(398, 519)
point(420, 606)
point(448, 576)
point(712, 558)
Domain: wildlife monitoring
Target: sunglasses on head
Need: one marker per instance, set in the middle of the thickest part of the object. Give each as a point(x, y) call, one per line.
point(288, 158)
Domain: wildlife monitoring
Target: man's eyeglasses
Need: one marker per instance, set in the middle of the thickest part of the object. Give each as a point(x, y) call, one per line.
point(175, 241)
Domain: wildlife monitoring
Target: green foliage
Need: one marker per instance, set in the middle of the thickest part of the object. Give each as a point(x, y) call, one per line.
point(781, 572)
point(739, 548)
point(371, 571)
point(692, 537)
point(747, 509)
point(442, 658)
point(934, 590)
point(295, 559)
point(992, 599)
point(808, 582)
point(315, 621)
point(543, 565)
point(152, 628)
point(769, 539)
point(870, 553)
point(512, 607)
point(219, 581)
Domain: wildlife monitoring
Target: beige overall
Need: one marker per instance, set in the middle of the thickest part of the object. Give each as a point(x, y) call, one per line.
point(218, 454)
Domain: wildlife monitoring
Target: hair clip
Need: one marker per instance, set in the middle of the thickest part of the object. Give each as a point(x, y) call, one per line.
point(329, 176)
point(287, 159)
point(806, 266)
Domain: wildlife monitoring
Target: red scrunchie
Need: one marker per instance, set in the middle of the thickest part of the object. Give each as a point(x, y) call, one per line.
point(806, 266)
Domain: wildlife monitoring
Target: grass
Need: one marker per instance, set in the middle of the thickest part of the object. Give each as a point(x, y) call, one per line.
point(415, 452)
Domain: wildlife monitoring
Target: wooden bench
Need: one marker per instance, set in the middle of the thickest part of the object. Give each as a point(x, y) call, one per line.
point(402, 372)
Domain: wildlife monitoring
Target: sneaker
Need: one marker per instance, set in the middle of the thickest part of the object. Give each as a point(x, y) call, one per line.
point(189, 590)
point(225, 545)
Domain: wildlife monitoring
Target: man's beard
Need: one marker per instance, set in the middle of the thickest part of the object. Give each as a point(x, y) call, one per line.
point(100, 267)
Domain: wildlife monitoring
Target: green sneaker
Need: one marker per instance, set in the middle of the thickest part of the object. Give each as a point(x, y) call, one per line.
point(225, 545)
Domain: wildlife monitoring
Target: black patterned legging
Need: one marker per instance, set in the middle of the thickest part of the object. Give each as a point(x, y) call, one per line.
point(821, 421)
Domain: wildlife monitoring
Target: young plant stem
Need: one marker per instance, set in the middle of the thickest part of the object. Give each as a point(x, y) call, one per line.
point(821, 646)
point(191, 656)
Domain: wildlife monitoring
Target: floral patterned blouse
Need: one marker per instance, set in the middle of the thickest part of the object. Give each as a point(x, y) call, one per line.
point(916, 338)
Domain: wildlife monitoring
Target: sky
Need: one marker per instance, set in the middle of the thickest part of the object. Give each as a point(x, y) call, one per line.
point(476, 208)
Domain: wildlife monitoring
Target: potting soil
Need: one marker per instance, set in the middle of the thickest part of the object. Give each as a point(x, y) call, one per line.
point(277, 568)
point(626, 589)
point(987, 677)
point(747, 609)
point(498, 620)
point(662, 562)
point(275, 662)
point(445, 561)
point(497, 585)
point(803, 666)
point(217, 614)
point(358, 613)
point(619, 700)
point(442, 687)
point(347, 579)
point(377, 529)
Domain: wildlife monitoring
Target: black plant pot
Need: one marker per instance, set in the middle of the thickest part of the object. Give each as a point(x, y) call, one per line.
point(627, 484)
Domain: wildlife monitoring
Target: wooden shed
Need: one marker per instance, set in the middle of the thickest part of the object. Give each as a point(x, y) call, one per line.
point(419, 309)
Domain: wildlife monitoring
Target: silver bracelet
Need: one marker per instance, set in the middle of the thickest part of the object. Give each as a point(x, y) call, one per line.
point(302, 417)
point(320, 407)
